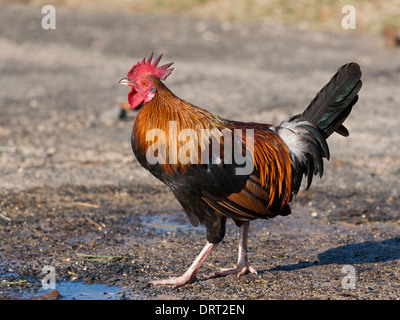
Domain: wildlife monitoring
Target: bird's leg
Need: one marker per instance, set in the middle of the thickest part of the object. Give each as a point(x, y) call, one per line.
point(243, 264)
point(190, 275)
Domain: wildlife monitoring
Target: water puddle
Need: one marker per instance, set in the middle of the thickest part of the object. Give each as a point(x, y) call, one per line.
point(81, 291)
point(164, 223)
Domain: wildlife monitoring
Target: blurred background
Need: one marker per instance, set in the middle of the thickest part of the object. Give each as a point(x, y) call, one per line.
point(373, 15)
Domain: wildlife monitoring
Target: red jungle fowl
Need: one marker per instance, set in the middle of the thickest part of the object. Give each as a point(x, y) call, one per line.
point(207, 180)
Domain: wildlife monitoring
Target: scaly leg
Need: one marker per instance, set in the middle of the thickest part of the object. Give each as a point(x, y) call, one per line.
point(190, 275)
point(243, 264)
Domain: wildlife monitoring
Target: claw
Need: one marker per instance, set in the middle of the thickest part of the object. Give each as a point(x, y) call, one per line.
point(176, 282)
point(240, 270)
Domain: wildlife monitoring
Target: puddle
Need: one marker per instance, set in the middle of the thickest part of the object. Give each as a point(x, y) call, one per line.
point(164, 223)
point(82, 291)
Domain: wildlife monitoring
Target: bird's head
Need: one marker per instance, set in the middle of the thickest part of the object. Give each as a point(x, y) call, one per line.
point(139, 78)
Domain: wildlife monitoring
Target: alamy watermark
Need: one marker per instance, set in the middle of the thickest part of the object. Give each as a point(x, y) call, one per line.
point(349, 281)
point(49, 20)
point(202, 147)
point(349, 20)
point(49, 280)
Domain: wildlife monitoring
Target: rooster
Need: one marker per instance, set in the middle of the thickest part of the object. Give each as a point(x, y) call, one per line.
point(206, 180)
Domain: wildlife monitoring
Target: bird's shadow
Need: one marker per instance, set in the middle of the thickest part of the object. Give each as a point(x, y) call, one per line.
point(354, 253)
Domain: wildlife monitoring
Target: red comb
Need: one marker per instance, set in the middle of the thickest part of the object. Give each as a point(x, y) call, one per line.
point(146, 67)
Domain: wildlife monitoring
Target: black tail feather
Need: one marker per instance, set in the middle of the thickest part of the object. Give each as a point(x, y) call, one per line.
point(325, 115)
point(334, 102)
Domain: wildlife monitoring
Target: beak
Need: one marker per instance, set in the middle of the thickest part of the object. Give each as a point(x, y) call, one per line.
point(125, 82)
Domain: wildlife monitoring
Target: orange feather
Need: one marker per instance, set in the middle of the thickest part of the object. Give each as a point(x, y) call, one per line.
point(272, 163)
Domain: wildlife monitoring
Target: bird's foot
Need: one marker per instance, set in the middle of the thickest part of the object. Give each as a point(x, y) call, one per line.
point(176, 281)
point(190, 275)
point(240, 270)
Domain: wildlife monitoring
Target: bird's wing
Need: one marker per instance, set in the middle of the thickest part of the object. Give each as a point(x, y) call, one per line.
point(251, 202)
point(268, 189)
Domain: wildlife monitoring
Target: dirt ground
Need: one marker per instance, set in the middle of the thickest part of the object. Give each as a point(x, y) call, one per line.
point(73, 197)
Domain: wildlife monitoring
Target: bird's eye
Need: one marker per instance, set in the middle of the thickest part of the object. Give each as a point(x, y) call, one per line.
point(144, 83)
